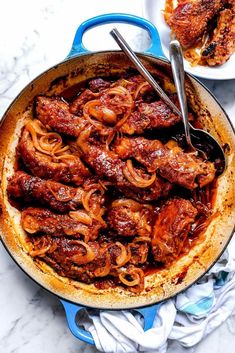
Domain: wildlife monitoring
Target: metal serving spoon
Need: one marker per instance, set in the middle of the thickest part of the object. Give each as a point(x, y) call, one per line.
point(197, 139)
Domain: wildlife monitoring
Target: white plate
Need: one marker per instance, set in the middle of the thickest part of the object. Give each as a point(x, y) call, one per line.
point(153, 12)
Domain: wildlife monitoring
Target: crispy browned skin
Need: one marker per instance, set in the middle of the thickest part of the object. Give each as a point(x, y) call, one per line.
point(40, 220)
point(190, 19)
point(108, 165)
point(68, 257)
point(130, 219)
point(41, 165)
point(171, 229)
point(59, 197)
point(55, 113)
point(222, 44)
point(172, 164)
point(149, 116)
point(76, 107)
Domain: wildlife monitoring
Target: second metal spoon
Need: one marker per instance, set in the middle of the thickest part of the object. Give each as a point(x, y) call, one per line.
point(194, 137)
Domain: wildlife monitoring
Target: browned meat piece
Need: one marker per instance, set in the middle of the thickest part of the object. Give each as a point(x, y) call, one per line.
point(39, 220)
point(190, 19)
point(171, 163)
point(55, 113)
point(130, 218)
point(99, 84)
point(59, 197)
point(171, 229)
point(108, 165)
point(139, 253)
point(150, 116)
point(67, 170)
point(68, 257)
point(222, 44)
point(76, 107)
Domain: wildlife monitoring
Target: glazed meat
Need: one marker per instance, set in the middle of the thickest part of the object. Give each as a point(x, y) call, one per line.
point(97, 204)
point(108, 165)
point(76, 107)
point(130, 218)
point(171, 163)
point(190, 19)
point(40, 220)
point(65, 170)
point(55, 113)
point(59, 197)
point(171, 229)
point(88, 261)
point(222, 45)
point(150, 116)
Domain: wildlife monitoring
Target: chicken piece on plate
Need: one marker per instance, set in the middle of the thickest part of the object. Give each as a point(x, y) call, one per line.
point(222, 45)
point(130, 218)
point(189, 19)
point(171, 163)
point(171, 229)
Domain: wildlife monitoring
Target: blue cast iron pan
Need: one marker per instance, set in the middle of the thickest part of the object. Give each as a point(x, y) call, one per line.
point(148, 312)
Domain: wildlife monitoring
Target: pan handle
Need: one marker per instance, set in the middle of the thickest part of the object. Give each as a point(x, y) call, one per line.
point(71, 311)
point(154, 49)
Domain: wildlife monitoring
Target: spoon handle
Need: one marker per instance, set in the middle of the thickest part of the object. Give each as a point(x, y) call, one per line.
point(140, 67)
point(177, 66)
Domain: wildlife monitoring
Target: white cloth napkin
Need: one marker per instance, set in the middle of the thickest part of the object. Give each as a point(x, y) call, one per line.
point(180, 323)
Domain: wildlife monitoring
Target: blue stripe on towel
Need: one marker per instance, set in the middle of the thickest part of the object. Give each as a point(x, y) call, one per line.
point(221, 279)
point(202, 307)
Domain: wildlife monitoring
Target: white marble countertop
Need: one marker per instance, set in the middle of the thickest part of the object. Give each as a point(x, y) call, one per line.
point(35, 35)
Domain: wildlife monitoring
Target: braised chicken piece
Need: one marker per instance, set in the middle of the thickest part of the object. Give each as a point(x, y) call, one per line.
point(222, 44)
point(76, 107)
point(55, 113)
point(130, 218)
point(150, 116)
point(95, 86)
point(139, 253)
point(172, 163)
point(98, 205)
point(90, 261)
point(66, 169)
point(59, 197)
point(190, 19)
point(171, 229)
point(132, 183)
point(77, 224)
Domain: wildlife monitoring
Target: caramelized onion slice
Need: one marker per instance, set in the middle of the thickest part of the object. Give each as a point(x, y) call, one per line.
point(39, 252)
point(63, 194)
point(134, 178)
point(136, 277)
point(81, 216)
point(133, 205)
point(124, 256)
point(104, 271)
point(29, 224)
point(142, 85)
point(96, 109)
point(83, 259)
